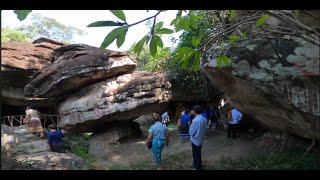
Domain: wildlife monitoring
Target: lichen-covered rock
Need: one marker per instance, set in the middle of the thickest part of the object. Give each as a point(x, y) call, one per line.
point(277, 84)
point(76, 66)
point(122, 98)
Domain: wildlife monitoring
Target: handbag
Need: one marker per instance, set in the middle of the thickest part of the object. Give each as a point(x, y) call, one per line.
point(149, 145)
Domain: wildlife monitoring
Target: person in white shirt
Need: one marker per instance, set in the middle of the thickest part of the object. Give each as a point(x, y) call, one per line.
point(234, 119)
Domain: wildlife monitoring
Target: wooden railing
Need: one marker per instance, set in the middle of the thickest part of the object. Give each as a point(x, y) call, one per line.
point(45, 119)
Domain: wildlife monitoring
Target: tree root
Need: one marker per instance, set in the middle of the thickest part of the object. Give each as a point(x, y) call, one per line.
point(310, 147)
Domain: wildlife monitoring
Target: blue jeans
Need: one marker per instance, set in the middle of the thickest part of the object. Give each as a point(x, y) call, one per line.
point(157, 147)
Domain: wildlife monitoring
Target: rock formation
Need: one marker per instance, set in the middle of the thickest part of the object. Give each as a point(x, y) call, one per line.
point(122, 98)
point(276, 82)
point(76, 66)
point(19, 61)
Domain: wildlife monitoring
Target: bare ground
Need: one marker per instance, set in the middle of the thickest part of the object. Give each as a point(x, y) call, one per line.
point(177, 156)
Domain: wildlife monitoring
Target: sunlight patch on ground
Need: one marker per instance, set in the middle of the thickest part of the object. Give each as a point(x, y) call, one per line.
point(172, 127)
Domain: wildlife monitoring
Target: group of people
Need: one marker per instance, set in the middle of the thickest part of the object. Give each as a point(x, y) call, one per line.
point(159, 134)
point(55, 136)
point(192, 125)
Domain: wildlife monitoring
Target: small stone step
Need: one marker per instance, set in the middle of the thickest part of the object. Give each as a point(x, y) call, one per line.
point(22, 131)
point(32, 147)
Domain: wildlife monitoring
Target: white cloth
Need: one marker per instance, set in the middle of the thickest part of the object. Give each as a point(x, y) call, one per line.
point(33, 113)
point(165, 117)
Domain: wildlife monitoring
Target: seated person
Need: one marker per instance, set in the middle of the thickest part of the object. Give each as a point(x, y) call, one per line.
point(55, 140)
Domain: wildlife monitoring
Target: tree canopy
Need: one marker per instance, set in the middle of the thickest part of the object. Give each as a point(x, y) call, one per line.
point(12, 35)
point(49, 28)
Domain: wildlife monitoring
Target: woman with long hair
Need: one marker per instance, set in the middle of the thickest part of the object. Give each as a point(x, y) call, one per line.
point(33, 122)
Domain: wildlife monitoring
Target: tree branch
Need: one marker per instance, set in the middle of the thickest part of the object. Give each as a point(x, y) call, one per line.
point(154, 23)
point(298, 33)
point(145, 19)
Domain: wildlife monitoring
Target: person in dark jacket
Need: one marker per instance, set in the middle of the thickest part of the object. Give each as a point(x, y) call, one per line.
point(183, 126)
point(55, 140)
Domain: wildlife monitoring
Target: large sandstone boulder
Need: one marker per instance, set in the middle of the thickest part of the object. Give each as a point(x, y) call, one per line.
point(76, 66)
point(19, 61)
point(277, 84)
point(122, 98)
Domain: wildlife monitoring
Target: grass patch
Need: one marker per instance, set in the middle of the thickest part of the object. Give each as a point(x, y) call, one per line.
point(79, 145)
point(289, 160)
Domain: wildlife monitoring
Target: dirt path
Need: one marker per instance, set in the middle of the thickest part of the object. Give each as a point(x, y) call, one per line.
point(131, 155)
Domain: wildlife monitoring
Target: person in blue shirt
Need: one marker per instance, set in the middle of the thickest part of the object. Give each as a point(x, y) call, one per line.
point(184, 125)
point(197, 133)
point(234, 118)
point(55, 140)
point(205, 114)
point(160, 136)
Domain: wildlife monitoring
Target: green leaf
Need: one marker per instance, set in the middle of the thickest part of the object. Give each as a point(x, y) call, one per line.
point(232, 42)
point(104, 23)
point(233, 13)
point(193, 20)
point(194, 24)
point(225, 60)
point(182, 52)
point(186, 23)
point(148, 39)
point(173, 22)
point(195, 41)
point(262, 20)
point(138, 47)
point(234, 37)
point(121, 38)
point(22, 14)
point(119, 14)
point(219, 62)
point(153, 46)
point(244, 34)
point(196, 62)
point(158, 41)
point(163, 31)
point(112, 36)
point(186, 59)
point(222, 45)
point(158, 25)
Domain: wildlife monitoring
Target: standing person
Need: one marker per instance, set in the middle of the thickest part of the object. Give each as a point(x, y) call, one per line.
point(160, 136)
point(213, 116)
point(184, 125)
point(33, 122)
point(183, 111)
point(165, 118)
point(234, 117)
point(197, 133)
point(55, 140)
